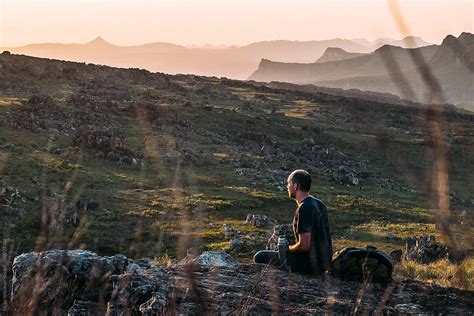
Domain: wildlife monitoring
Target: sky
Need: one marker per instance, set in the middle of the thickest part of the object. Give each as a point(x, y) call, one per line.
point(226, 22)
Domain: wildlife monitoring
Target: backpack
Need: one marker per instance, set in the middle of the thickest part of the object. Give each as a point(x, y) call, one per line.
point(362, 264)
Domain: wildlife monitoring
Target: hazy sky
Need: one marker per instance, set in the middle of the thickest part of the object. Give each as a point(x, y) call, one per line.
point(130, 22)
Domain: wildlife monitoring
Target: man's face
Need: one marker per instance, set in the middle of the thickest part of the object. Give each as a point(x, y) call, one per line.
point(291, 187)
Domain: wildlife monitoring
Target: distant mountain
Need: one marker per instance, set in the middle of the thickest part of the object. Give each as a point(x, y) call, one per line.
point(452, 64)
point(297, 51)
point(366, 65)
point(456, 50)
point(336, 54)
point(232, 62)
point(362, 41)
point(381, 42)
point(99, 42)
point(407, 42)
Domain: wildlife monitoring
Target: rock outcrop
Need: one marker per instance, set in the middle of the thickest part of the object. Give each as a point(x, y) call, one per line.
point(78, 282)
point(336, 54)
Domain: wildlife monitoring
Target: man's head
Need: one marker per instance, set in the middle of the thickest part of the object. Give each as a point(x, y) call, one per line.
point(298, 181)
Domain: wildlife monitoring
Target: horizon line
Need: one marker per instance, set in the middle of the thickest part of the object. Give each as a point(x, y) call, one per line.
point(223, 46)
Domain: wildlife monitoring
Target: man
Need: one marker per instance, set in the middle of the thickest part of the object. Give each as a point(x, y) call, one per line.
point(312, 252)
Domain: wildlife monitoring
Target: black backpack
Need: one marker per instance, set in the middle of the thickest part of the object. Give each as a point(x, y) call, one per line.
point(362, 264)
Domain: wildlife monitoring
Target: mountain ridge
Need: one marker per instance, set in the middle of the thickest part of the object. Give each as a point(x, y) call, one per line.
point(237, 62)
point(336, 54)
point(452, 63)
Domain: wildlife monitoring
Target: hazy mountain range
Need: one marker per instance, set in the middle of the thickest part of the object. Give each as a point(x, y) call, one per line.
point(232, 62)
point(452, 64)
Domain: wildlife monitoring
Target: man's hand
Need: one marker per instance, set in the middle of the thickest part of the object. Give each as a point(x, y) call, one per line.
point(303, 244)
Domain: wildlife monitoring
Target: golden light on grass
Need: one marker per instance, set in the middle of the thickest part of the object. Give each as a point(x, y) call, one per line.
point(11, 101)
point(442, 272)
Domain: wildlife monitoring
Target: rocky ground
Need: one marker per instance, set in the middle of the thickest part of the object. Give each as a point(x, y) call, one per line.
point(148, 165)
point(79, 282)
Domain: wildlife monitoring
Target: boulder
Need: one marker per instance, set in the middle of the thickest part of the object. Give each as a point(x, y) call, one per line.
point(50, 281)
point(78, 282)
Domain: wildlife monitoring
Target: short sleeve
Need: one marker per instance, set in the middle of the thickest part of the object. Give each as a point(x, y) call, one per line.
point(305, 219)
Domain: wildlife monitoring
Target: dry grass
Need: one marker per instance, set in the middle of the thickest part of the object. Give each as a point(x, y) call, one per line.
point(441, 272)
point(163, 261)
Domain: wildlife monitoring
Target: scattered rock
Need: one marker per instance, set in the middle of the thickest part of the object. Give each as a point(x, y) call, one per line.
point(246, 162)
point(344, 175)
point(11, 201)
point(228, 231)
point(425, 249)
point(259, 220)
point(104, 140)
point(246, 243)
point(107, 143)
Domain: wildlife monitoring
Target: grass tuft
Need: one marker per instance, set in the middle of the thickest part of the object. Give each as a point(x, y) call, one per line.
point(441, 272)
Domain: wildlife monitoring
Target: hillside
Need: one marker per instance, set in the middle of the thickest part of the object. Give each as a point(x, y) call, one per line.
point(146, 164)
point(450, 63)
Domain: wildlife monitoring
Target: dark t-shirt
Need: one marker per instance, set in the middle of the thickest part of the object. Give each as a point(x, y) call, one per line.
point(312, 217)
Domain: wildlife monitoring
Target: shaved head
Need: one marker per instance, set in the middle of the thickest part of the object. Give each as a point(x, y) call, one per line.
point(302, 178)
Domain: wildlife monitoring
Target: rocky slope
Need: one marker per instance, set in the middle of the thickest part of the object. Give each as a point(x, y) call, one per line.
point(78, 282)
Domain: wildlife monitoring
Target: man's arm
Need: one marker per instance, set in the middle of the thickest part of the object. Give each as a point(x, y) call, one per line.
point(303, 244)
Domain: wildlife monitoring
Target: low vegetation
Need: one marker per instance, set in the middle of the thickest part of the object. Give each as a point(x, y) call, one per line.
point(200, 152)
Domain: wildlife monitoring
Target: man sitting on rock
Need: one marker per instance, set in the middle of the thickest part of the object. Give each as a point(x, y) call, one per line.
point(312, 252)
